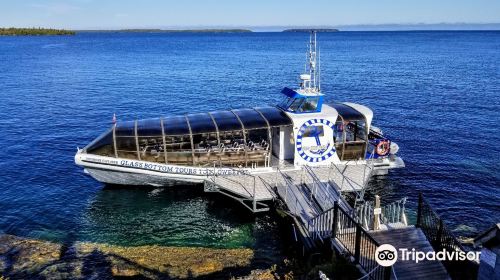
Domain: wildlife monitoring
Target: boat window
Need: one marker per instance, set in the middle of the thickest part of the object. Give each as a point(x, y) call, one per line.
point(310, 105)
point(258, 147)
point(150, 139)
point(295, 105)
point(355, 131)
point(350, 139)
point(250, 118)
point(178, 149)
point(285, 102)
point(274, 116)
point(338, 133)
point(102, 145)
point(126, 146)
point(177, 141)
point(205, 148)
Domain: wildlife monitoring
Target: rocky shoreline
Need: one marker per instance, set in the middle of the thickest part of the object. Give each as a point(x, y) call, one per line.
point(31, 258)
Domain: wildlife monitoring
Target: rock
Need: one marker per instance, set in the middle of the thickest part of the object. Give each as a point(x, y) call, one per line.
point(27, 258)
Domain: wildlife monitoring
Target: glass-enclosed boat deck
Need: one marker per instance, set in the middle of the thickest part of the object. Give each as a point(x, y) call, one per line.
point(239, 138)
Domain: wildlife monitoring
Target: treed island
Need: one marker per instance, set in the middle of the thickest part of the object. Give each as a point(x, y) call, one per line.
point(33, 31)
point(37, 31)
point(12, 31)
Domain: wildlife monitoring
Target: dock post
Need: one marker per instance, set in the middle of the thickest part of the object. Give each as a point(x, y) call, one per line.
point(335, 219)
point(439, 234)
point(276, 179)
point(286, 191)
point(376, 213)
point(419, 209)
point(357, 245)
point(254, 201)
point(387, 272)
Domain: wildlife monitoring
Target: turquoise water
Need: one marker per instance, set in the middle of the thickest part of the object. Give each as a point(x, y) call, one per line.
point(435, 93)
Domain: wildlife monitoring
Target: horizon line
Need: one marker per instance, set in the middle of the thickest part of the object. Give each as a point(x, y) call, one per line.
point(276, 28)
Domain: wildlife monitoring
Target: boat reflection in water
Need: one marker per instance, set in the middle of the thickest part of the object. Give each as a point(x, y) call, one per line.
point(301, 130)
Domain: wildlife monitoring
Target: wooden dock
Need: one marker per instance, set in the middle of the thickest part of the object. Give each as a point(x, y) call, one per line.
point(411, 237)
point(313, 199)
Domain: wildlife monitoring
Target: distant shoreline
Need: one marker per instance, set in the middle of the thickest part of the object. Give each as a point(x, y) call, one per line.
point(171, 30)
point(311, 29)
point(11, 31)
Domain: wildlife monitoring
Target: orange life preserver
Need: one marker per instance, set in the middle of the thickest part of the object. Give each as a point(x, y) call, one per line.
point(383, 148)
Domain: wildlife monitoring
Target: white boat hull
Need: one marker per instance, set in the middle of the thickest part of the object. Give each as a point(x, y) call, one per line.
point(134, 172)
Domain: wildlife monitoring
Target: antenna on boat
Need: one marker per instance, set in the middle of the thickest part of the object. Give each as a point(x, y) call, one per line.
point(319, 70)
point(311, 81)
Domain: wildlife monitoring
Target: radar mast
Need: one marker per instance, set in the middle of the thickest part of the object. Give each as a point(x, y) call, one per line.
point(310, 80)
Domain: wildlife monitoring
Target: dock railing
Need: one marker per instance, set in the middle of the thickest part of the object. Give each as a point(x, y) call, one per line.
point(248, 184)
point(358, 243)
point(289, 194)
point(441, 238)
point(392, 215)
point(344, 230)
point(319, 189)
point(320, 227)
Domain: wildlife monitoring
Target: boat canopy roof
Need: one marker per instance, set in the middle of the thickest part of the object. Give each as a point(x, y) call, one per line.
point(216, 121)
point(347, 112)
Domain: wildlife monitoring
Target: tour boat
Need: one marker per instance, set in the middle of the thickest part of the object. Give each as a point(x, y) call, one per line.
point(301, 130)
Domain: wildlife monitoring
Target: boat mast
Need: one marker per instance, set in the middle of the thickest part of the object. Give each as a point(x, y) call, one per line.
point(311, 81)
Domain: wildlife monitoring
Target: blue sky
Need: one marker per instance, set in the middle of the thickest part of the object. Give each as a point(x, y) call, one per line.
point(93, 14)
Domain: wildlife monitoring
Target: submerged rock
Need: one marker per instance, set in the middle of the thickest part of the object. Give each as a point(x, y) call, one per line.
point(26, 258)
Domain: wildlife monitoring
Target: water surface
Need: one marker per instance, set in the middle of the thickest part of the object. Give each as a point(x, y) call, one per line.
point(435, 93)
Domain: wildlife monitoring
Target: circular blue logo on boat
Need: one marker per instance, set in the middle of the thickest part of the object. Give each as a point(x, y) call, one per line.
point(312, 145)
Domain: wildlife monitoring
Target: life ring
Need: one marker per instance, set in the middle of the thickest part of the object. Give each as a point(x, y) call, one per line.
point(383, 148)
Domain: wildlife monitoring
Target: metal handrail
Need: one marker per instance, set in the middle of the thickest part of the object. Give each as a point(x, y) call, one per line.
point(317, 182)
point(391, 213)
point(343, 176)
point(288, 182)
point(214, 175)
point(441, 238)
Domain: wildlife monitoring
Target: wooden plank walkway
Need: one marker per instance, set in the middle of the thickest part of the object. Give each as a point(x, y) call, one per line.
point(411, 237)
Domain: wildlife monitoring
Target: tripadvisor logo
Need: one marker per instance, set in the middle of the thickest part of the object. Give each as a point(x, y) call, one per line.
point(387, 255)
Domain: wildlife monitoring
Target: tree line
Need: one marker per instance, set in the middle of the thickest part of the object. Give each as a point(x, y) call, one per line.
point(33, 31)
